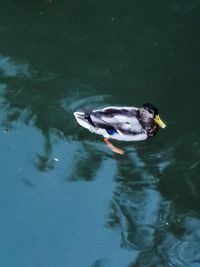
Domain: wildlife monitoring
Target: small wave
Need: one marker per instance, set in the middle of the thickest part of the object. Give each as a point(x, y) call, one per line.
point(76, 102)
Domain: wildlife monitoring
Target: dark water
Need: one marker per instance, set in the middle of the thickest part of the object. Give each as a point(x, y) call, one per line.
point(65, 199)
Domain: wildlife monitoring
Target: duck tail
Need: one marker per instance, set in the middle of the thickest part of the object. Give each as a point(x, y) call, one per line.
point(84, 119)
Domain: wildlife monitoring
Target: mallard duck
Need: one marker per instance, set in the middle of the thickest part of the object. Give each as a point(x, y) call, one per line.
point(122, 123)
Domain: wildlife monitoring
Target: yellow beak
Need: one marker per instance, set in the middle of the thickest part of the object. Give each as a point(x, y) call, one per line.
point(159, 122)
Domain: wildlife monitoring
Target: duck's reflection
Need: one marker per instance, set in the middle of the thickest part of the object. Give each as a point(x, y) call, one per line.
point(137, 207)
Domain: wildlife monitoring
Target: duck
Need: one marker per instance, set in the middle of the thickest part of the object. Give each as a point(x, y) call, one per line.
point(122, 123)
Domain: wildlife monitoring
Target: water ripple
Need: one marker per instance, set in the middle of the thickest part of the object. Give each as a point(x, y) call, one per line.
point(12, 68)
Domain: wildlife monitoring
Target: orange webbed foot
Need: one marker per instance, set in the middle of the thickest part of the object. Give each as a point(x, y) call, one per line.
point(113, 148)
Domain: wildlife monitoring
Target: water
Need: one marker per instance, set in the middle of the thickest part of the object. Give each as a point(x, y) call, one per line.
point(66, 200)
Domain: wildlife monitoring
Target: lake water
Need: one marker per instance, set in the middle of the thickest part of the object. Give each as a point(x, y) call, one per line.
point(65, 199)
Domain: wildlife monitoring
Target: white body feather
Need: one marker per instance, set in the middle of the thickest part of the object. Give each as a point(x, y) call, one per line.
point(126, 125)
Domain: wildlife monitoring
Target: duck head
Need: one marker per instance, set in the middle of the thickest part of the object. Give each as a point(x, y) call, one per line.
point(148, 112)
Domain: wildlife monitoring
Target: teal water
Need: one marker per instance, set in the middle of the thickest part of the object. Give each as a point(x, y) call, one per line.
point(65, 199)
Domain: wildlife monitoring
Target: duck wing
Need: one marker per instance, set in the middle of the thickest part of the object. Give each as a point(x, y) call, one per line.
point(92, 121)
point(120, 118)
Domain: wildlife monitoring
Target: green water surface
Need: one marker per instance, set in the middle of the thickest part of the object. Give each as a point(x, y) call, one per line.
point(65, 199)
